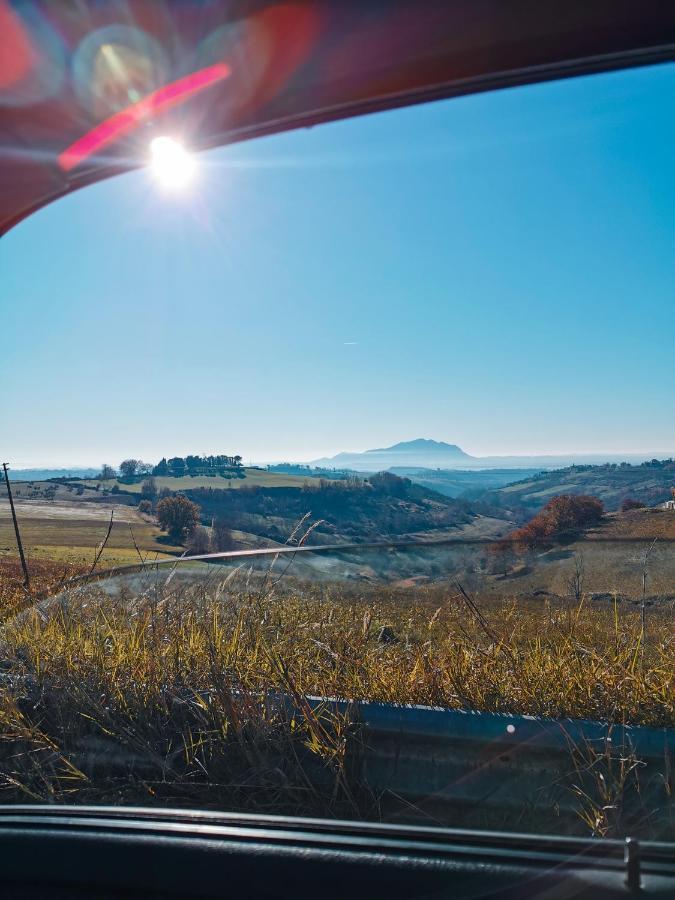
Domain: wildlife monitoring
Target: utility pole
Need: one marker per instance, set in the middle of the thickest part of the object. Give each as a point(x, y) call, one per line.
point(26, 577)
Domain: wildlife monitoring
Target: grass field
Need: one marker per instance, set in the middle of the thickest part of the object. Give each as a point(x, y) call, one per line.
point(643, 524)
point(69, 530)
point(254, 477)
point(612, 555)
point(70, 533)
point(507, 656)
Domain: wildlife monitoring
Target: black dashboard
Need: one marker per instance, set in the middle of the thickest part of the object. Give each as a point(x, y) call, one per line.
point(109, 852)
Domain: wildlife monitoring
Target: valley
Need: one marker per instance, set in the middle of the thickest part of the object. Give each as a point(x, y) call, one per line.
point(65, 521)
point(577, 623)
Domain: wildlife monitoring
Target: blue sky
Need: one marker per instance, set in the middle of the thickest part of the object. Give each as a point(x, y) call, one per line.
point(496, 271)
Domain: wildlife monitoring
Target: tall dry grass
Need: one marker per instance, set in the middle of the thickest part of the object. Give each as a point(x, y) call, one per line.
point(167, 692)
point(46, 576)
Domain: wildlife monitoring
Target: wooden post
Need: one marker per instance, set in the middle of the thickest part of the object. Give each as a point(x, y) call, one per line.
point(26, 577)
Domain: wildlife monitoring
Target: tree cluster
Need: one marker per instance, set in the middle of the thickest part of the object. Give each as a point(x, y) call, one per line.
point(178, 466)
point(128, 470)
point(659, 464)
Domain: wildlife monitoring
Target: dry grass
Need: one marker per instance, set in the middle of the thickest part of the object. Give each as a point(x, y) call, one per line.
point(46, 576)
point(641, 524)
point(167, 694)
point(72, 540)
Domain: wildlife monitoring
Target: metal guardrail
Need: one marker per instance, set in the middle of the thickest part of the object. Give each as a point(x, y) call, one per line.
point(491, 769)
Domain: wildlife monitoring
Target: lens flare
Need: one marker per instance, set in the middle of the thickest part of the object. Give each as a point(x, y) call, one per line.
point(171, 163)
point(127, 120)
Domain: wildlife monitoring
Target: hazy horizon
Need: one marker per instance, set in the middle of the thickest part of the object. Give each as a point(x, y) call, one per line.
point(629, 455)
point(497, 270)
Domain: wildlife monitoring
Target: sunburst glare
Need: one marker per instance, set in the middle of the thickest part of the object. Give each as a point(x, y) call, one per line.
point(171, 164)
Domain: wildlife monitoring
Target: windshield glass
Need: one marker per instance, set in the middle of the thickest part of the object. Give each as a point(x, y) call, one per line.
point(403, 384)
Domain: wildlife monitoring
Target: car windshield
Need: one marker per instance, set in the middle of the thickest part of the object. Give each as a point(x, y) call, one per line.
point(341, 471)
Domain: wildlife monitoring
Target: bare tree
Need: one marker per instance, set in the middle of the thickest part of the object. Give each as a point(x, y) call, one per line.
point(149, 489)
point(221, 537)
point(199, 541)
point(644, 562)
point(575, 582)
point(107, 473)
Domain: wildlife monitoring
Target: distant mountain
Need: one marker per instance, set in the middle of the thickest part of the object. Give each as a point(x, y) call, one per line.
point(44, 474)
point(427, 454)
point(421, 452)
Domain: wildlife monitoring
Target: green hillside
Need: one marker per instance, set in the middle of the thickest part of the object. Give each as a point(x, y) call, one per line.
point(252, 477)
point(381, 506)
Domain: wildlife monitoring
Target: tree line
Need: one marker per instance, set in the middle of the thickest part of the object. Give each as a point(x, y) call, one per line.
point(175, 466)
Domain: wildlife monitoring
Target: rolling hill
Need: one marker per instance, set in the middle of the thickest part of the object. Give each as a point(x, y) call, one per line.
point(382, 506)
point(614, 556)
point(244, 476)
point(649, 483)
point(66, 520)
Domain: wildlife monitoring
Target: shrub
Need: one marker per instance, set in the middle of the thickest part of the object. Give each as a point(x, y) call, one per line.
point(630, 503)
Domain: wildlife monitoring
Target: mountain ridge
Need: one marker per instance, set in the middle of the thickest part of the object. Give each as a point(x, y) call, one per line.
point(424, 453)
point(422, 445)
point(418, 452)
point(38, 473)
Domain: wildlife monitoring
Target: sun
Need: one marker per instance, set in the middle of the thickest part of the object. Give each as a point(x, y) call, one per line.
point(171, 164)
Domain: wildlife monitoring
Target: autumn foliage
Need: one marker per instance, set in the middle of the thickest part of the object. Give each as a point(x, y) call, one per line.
point(563, 516)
